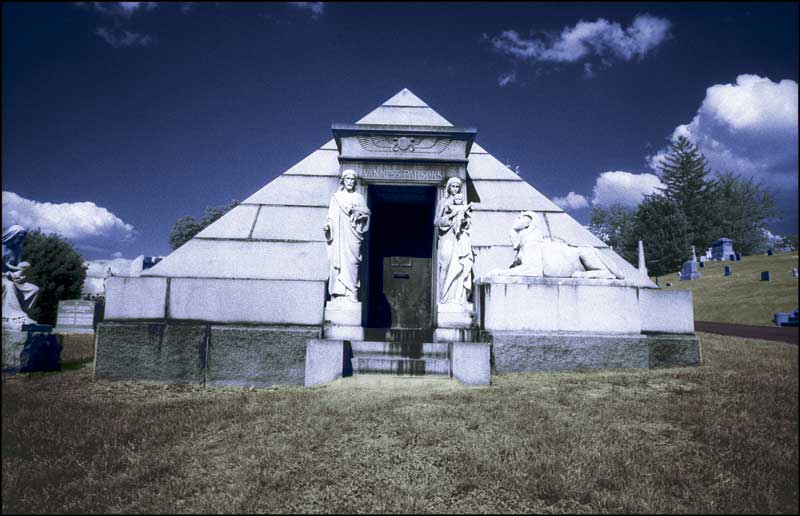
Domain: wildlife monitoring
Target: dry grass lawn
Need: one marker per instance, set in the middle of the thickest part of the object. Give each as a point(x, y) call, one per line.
point(719, 438)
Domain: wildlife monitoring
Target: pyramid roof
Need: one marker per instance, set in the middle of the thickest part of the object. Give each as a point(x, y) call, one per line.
point(276, 232)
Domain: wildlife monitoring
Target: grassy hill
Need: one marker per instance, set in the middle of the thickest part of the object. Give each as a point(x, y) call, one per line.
point(742, 298)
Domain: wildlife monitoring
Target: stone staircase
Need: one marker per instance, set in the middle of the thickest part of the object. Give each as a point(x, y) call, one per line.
point(429, 359)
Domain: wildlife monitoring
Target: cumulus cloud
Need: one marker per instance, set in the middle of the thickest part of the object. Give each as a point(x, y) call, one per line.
point(624, 188)
point(506, 78)
point(571, 201)
point(84, 223)
point(749, 128)
point(119, 38)
point(315, 8)
point(599, 38)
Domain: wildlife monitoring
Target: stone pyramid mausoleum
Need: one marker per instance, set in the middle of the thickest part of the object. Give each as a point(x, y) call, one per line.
point(245, 301)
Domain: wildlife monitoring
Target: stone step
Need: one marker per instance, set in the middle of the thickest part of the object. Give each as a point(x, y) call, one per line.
point(402, 349)
point(399, 334)
point(382, 364)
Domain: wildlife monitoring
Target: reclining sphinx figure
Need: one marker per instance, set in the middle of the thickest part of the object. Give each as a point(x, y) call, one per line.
point(538, 256)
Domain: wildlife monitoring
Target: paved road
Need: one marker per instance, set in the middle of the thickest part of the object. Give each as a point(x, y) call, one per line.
point(782, 334)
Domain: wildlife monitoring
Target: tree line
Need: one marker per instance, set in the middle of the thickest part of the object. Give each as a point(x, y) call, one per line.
point(693, 208)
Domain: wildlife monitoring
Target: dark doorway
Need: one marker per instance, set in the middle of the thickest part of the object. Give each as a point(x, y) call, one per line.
point(400, 262)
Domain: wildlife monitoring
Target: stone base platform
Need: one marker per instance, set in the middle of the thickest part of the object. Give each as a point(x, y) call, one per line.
point(196, 353)
point(525, 351)
point(13, 342)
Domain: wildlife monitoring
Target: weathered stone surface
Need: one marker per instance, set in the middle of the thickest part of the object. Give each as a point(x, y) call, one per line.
point(244, 356)
point(488, 258)
point(519, 351)
point(510, 195)
point(171, 353)
point(484, 166)
point(247, 301)
point(13, 341)
point(471, 363)
point(323, 162)
point(559, 304)
point(490, 228)
point(290, 223)
point(404, 115)
point(569, 230)
point(324, 361)
point(135, 298)
point(631, 274)
point(405, 98)
point(200, 258)
point(75, 316)
point(668, 311)
point(296, 190)
point(524, 351)
point(237, 223)
point(674, 350)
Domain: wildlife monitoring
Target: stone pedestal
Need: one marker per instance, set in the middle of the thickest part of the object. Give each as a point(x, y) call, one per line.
point(454, 322)
point(342, 320)
point(13, 342)
point(689, 271)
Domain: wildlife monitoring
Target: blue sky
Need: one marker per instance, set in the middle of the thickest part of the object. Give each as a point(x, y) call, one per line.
point(119, 118)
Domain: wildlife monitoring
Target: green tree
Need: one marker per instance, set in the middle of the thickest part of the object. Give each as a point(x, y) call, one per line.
point(612, 224)
point(56, 268)
point(186, 227)
point(685, 174)
point(741, 210)
point(664, 230)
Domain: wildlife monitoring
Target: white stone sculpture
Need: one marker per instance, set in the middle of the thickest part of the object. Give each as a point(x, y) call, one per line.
point(19, 296)
point(539, 256)
point(455, 249)
point(344, 229)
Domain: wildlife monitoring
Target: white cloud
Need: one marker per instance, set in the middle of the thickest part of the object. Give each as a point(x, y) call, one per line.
point(572, 201)
point(624, 188)
point(316, 8)
point(506, 78)
point(119, 267)
point(118, 38)
point(588, 73)
point(749, 128)
point(599, 38)
point(125, 9)
point(86, 224)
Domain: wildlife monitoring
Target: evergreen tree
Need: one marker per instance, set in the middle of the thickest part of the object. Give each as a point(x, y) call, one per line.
point(664, 231)
point(612, 224)
point(685, 174)
point(186, 227)
point(741, 209)
point(56, 268)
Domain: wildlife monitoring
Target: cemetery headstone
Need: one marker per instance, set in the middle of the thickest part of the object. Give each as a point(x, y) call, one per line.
point(76, 316)
point(738, 257)
point(732, 257)
point(764, 275)
point(728, 270)
point(722, 248)
point(794, 272)
point(702, 264)
point(769, 252)
point(786, 319)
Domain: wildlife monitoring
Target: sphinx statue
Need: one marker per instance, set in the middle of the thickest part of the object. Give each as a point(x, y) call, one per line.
point(19, 296)
point(539, 256)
